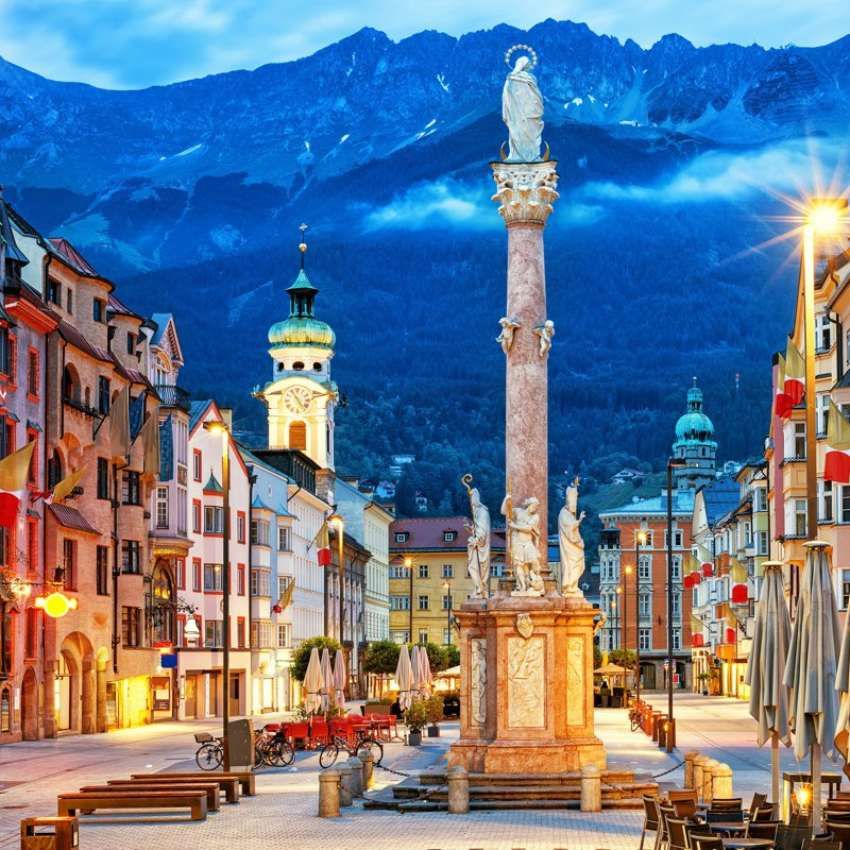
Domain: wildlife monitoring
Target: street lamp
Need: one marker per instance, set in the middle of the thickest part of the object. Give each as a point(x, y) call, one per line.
point(824, 217)
point(624, 622)
point(640, 540)
point(221, 429)
point(672, 463)
point(339, 526)
point(447, 592)
point(408, 565)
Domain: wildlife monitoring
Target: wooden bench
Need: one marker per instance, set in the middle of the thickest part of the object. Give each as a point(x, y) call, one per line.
point(229, 785)
point(245, 777)
point(195, 801)
point(211, 789)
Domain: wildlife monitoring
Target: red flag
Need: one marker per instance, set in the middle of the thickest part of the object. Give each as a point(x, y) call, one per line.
point(14, 470)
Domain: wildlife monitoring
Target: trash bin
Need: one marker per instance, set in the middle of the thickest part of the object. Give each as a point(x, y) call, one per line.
point(54, 833)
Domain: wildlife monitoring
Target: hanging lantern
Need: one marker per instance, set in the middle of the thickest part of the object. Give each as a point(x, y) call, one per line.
point(730, 635)
point(740, 594)
point(689, 581)
point(56, 604)
point(325, 557)
point(708, 570)
point(697, 639)
point(277, 609)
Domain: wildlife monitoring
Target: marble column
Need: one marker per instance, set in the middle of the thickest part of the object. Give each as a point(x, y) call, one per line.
point(525, 193)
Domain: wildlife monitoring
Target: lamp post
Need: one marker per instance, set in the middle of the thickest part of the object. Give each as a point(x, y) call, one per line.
point(624, 617)
point(447, 591)
point(640, 540)
point(670, 738)
point(339, 525)
point(221, 429)
point(824, 216)
point(408, 565)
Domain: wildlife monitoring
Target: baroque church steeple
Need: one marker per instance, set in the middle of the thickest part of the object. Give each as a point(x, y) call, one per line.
point(695, 443)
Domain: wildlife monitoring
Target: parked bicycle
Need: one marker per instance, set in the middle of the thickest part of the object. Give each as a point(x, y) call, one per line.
point(272, 749)
point(365, 744)
point(210, 754)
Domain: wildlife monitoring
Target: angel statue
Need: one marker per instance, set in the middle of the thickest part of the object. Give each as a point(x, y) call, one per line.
point(570, 542)
point(545, 332)
point(522, 107)
point(506, 335)
point(523, 525)
point(478, 545)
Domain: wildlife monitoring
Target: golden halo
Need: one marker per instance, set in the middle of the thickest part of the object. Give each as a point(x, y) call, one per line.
point(525, 48)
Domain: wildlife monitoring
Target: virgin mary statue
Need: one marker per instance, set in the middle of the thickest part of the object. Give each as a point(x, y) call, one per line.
point(522, 111)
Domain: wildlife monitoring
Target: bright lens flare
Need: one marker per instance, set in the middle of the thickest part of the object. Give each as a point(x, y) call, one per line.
point(56, 604)
point(826, 216)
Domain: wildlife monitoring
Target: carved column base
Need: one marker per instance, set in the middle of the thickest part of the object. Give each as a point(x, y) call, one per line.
point(526, 686)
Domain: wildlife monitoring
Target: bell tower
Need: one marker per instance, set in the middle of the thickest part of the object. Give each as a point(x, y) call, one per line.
point(301, 396)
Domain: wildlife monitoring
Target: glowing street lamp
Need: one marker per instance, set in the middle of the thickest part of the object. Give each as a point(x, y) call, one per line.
point(339, 526)
point(56, 604)
point(408, 565)
point(640, 540)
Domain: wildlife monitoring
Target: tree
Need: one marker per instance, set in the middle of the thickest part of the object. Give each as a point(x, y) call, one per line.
point(624, 657)
point(301, 657)
point(597, 657)
point(381, 657)
point(453, 658)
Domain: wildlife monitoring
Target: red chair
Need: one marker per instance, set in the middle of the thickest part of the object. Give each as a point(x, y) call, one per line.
point(294, 732)
point(319, 732)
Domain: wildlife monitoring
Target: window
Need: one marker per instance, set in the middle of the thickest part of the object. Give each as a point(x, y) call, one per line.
point(103, 388)
point(213, 577)
point(5, 339)
point(131, 343)
point(131, 561)
point(677, 638)
point(423, 603)
point(131, 492)
point(677, 605)
point(260, 532)
point(759, 499)
point(645, 638)
point(825, 500)
point(423, 571)
point(240, 633)
point(423, 636)
point(448, 571)
point(399, 603)
point(240, 579)
point(69, 563)
point(54, 469)
point(240, 526)
point(845, 589)
point(181, 574)
point(845, 503)
point(102, 566)
point(447, 602)
point(31, 635)
point(799, 440)
point(800, 517)
point(284, 635)
point(32, 472)
point(99, 310)
point(449, 536)
point(196, 575)
point(298, 436)
point(823, 333)
point(33, 372)
point(644, 567)
point(197, 464)
point(645, 604)
point(401, 537)
point(54, 292)
point(761, 543)
point(822, 414)
point(283, 539)
point(162, 507)
point(260, 583)
point(398, 571)
point(102, 478)
point(214, 633)
point(213, 520)
point(131, 626)
point(69, 300)
point(196, 516)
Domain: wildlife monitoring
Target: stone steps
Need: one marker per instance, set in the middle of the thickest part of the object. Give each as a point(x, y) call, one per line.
point(503, 805)
point(613, 777)
point(538, 792)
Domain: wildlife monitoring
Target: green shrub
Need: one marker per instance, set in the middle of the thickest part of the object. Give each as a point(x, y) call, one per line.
point(301, 656)
point(381, 657)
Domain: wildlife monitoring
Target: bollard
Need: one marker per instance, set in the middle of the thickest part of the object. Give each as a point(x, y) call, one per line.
point(591, 788)
point(329, 794)
point(723, 782)
point(708, 780)
point(458, 781)
point(344, 785)
point(699, 770)
point(655, 718)
point(689, 768)
point(368, 770)
point(356, 776)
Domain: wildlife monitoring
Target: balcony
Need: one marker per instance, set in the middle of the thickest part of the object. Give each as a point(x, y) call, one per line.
point(173, 396)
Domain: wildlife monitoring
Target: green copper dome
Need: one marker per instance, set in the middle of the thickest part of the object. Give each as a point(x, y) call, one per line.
point(694, 425)
point(301, 328)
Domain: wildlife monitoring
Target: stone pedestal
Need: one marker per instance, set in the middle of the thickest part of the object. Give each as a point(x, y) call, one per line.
point(526, 686)
point(525, 193)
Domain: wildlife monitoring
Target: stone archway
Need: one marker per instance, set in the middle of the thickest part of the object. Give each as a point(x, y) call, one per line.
point(74, 690)
point(29, 706)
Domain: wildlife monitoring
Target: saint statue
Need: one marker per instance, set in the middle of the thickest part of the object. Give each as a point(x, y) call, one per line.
point(570, 543)
point(523, 525)
point(522, 110)
point(478, 545)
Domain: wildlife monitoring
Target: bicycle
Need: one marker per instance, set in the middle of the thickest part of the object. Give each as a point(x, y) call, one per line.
point(273, 750)
point(210, 754)
point(365, 744)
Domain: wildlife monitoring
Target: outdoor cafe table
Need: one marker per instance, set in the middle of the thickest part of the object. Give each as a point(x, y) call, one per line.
point(791, 778)
point(747, 843)
point(731, 826)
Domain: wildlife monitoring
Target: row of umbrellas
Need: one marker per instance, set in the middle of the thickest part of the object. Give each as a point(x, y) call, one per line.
point(413, 675)
point(324, 684)
point(797, 675)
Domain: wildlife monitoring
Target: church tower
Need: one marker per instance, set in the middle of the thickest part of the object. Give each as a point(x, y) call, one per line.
point(301, 395)
point(695, 443)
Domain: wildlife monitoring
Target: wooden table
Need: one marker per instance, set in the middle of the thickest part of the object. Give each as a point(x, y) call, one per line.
point(747, 843)
point(792, 778)
point(730, 826)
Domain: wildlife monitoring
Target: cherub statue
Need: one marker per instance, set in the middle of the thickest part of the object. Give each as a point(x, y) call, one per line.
point(506, 336)
point(545, 331)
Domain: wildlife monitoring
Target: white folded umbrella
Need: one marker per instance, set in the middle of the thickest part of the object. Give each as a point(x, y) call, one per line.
point(340, 677)
point(327, 680)
point(313, 683)
point(404, 678)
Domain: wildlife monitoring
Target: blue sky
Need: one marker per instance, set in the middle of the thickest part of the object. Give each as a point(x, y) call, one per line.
point(134, 43)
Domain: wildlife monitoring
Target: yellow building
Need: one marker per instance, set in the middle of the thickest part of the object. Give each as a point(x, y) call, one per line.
point(428, 576)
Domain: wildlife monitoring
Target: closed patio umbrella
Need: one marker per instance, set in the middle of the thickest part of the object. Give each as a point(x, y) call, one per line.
point(404, 678)
point(313, 683)
point(327, 680)
point(340, 677)
point(811, 669)
point(416, 668)
point(427, 676)
point(766, 668)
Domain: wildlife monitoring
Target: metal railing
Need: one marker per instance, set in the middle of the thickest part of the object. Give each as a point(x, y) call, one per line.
point(173, 396)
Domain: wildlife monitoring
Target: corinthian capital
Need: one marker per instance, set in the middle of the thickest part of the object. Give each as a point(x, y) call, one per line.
point(525, 191)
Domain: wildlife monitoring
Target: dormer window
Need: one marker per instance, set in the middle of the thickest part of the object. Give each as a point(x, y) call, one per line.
point(401, 537)
point(317, 367)
point(449, 536)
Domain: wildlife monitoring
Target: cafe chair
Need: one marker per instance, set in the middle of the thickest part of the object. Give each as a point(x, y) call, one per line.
point(650, 819)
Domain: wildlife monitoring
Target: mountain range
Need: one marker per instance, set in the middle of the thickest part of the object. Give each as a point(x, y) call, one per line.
point(671, 161)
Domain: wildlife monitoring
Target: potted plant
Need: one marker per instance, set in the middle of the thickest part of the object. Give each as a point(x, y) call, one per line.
point(434, 711)
point(703, 679)
point(416, 717)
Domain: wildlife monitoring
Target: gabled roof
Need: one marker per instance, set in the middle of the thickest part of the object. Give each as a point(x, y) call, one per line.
point(683, 505)
point(71, 518)
point(197, 409)
point(427, 534)
point(259, 505)
point(72, 256)
point(166, 328)
point(720, 497)
point(212, 485)
point(119, 308)
point(70, 334)
point(7, 237)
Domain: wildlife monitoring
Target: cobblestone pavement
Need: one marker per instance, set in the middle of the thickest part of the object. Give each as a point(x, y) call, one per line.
point(283, 812)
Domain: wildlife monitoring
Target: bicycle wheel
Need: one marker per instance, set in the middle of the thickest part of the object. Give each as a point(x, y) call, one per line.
point(284, 755)
point(259, 754)
point(328, 755)
point(370, 745)
point(209, 756)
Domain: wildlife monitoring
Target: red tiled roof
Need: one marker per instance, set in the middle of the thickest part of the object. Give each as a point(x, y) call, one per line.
point(120, 308)
point(427, 534)
point(73, 256)
point(72, 518)
point(70, 334)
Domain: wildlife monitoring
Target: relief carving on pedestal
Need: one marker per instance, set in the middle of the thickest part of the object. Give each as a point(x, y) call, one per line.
point(575, 681)
point(478, 681)
point(526, 682)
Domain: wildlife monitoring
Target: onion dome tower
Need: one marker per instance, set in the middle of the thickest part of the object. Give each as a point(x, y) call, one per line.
point(695, 444)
